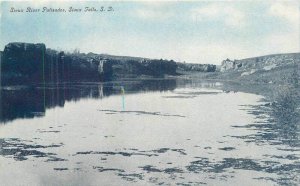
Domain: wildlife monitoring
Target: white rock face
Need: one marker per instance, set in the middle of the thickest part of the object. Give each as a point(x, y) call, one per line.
point(227, 65)
point(248, 73)
point(100, 66)
point(270, 67)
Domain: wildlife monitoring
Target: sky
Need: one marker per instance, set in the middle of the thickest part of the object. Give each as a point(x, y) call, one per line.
point(190, 31)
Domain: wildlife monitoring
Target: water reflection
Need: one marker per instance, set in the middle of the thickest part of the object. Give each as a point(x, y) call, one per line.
point(280, 118)
point(28, 102)
point(20, 151)
point(153, 141)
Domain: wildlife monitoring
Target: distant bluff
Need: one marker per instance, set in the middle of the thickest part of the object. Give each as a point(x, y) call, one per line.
point(268, 69)
point(262, 62)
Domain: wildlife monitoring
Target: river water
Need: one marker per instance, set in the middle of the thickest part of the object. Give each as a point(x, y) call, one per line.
point(146, 132)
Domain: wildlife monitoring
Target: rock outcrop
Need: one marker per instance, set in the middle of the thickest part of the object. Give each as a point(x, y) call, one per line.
point(277, 68)
point(266, 63)
point(227, 65)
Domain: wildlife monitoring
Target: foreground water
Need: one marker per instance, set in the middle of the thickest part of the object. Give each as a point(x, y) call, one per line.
point(154, 132)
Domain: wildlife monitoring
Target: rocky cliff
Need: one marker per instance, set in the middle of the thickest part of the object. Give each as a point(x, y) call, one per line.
point(126, 67)
point(22, 61)
point(268, 69)
point(33, 63)
point(261, 63)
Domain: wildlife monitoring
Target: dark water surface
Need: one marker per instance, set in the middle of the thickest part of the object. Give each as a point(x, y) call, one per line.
point(147, 132)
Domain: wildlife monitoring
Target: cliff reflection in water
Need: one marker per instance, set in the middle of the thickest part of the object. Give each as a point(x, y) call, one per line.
point(30, 102)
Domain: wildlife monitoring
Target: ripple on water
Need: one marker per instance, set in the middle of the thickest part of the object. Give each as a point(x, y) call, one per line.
point(141, 113)
point(20, 151)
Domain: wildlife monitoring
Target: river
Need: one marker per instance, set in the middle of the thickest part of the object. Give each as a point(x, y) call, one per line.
point(144, 132)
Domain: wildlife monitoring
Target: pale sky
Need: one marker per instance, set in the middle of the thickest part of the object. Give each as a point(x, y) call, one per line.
point(195, 32)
